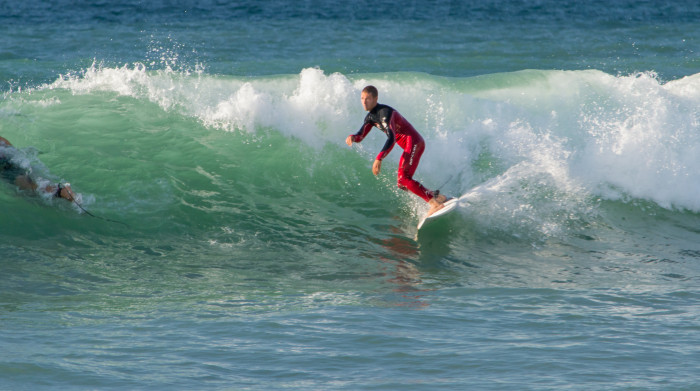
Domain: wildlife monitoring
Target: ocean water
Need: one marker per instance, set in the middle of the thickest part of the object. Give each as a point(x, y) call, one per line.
point(239, 244)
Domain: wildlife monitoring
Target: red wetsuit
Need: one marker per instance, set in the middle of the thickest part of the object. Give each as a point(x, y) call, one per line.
point(398, 131)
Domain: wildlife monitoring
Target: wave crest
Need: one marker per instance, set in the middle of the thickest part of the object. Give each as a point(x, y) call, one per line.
point(611, 136)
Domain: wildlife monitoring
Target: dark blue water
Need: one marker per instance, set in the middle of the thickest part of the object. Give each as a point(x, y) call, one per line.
point(445, 38)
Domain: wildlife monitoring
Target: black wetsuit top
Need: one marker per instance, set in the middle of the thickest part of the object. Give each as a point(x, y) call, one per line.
point(397, 129)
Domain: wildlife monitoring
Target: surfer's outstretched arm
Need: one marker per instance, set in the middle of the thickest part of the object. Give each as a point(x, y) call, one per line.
point(25, 182)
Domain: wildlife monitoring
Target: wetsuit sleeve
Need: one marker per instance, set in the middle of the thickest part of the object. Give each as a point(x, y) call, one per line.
point(388, 145)
point(385, 113)
point(364, 130)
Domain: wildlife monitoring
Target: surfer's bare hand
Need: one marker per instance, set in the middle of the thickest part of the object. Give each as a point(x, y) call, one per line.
point(376, 167)
point(348, 141)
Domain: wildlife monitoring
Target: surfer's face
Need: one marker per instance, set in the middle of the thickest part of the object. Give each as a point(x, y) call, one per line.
point(368, 101)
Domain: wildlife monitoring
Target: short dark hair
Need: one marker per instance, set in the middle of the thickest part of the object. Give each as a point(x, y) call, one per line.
point(372, 90)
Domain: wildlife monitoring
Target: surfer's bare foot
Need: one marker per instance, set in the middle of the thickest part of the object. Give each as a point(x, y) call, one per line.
point(436, 203)
point(434, 209)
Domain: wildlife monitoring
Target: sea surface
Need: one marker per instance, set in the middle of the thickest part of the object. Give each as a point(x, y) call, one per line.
point(234, 241)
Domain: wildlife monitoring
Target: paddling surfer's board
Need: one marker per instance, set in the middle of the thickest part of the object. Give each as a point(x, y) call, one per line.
point(449, 207)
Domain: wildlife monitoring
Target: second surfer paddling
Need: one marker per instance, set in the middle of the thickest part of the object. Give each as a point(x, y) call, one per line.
point(20, 177)
point(398, 131)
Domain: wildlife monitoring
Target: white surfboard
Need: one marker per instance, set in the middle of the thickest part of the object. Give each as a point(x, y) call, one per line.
point(450, 206)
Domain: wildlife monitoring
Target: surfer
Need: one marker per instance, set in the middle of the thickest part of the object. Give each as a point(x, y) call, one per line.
point(398, 131)
point(19, 176)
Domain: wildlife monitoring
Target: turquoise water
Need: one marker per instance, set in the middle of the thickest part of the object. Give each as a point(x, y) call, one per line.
point(255, 251)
